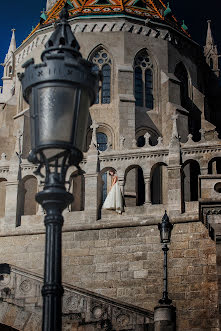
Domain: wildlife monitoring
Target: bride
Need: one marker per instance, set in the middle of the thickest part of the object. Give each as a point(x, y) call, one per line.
point(114, 199)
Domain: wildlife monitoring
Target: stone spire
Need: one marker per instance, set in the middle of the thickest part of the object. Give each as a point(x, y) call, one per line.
point(8, 78)
point(12, 46)
point(209, 38)
point(210, 51)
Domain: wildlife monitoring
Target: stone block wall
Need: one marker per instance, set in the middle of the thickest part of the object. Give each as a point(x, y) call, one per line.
point(127, 264)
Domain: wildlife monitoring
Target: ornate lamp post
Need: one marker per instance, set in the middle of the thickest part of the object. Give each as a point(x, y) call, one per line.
point(59, 91)
point(165, 234)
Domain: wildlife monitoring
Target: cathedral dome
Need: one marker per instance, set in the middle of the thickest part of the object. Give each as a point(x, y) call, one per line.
point(142, 9)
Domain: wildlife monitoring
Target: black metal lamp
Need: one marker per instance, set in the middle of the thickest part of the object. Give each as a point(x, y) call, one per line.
point(165, 229)
point(59, 91)
point(165, 234)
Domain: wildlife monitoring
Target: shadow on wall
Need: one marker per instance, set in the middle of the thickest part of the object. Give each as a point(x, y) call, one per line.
point(159, 184)
point(77, 188)
point(27, 190)
point(189, 182)
point(190, 122)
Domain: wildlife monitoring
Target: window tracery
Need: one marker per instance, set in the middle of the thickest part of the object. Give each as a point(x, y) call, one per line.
point(143, 80)
point(102, 62)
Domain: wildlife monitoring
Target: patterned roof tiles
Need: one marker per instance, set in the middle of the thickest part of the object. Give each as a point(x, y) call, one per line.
point(152, 9)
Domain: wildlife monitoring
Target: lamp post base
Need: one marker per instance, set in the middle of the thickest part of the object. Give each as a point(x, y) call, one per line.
point(54, 199)
point(164, 318)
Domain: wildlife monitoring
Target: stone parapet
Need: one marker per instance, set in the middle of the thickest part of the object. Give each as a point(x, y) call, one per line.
point(22, 290)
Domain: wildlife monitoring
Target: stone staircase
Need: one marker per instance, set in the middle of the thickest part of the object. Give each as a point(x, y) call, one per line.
point(21, 306)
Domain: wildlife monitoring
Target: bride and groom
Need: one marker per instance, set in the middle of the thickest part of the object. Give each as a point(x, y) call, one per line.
point(114, 199)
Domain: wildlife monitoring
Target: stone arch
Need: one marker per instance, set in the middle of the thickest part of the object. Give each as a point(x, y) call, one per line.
point(189, 179)
point(3, 182)
point(103, 62)
point(140, 136)
point(77, 188)
point(104, 184)
point(134, 188)
point(103, 128)
point(214, 166)
point(159, 183)
point(27, 190)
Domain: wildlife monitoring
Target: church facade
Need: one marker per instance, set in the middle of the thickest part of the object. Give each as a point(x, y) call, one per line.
point(156, 123)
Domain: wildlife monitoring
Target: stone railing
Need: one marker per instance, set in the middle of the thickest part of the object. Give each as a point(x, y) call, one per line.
point(22, 290)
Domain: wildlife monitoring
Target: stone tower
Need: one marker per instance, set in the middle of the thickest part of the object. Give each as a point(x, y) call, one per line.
point(155, 123)
point(211, 52)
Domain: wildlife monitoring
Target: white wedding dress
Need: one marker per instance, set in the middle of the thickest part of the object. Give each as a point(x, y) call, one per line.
point(114, 199)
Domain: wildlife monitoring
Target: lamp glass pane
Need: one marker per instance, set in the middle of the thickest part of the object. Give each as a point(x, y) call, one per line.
point(56, 108)
point(81, 119)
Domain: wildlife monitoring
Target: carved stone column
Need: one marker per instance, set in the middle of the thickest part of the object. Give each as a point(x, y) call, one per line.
point(174, 171)
point(174, 188)
point(147, 190)
point(12, 204)
point(121, 182)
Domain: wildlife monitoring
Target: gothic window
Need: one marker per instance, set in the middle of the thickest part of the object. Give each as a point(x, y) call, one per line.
point(102, 62)
point(143, 80)
point(101, 141)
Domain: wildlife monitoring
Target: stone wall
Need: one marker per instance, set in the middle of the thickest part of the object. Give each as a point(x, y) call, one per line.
point(126, 264)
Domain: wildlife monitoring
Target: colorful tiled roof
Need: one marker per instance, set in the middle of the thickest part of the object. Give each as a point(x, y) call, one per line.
point(152, 9)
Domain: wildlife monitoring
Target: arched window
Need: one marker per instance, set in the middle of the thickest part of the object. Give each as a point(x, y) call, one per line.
point(102, 62)
point(104, 185)
point(153, 141)
point(101, 141)
point(214, 166)
point(211, 63)
point(143, 80)
point(10, 70)
point(27, 192)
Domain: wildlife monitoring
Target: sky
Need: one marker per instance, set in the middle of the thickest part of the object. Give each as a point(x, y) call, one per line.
point(23, 14)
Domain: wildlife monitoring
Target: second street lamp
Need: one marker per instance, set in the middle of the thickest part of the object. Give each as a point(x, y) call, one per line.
point(165, 228)
point(59, 91)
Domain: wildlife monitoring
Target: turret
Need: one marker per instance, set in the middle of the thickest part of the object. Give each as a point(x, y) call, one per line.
point(210, 51)
point(9, 68)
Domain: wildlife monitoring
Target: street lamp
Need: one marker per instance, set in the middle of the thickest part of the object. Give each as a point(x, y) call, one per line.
point(165, 234)
point(60, 91)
